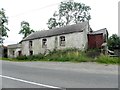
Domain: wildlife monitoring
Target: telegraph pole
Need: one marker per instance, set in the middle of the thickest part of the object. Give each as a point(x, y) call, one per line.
point(119, 18)
point(1, 40)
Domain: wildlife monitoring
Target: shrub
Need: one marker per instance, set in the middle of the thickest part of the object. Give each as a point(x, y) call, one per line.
point(31, 57)
point(74, 55)
point(23, 57)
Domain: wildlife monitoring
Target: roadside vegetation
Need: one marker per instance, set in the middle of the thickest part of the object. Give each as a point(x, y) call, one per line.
point(108, 60)
point(70, 55)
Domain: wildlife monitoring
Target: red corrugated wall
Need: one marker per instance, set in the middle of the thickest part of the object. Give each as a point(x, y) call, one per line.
point(95, 40)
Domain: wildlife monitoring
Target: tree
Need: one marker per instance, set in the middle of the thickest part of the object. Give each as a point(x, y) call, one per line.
point(69, 12)
point(3, 23)
point(114, 42)
point(25, 29)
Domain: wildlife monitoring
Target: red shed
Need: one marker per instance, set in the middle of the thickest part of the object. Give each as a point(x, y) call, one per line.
point(97, 38)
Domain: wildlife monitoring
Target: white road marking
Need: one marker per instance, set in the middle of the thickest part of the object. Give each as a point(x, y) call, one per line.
point(30, 82)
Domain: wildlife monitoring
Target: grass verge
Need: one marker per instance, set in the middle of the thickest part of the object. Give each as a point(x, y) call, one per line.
point(108, 60)
point(67, 55)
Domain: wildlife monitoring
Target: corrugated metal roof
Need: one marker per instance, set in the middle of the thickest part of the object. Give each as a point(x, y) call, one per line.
point(104, 31)
point(57, 31)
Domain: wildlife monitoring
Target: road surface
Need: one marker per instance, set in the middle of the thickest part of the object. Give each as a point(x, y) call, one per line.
point(58, 75)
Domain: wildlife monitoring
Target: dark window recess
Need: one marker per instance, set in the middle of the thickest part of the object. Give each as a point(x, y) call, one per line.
point(5, 50)
point(31, 52)
point(30, 44)
point(19, 53)
point(44, 43)
point(62, 40)
point(13, 53)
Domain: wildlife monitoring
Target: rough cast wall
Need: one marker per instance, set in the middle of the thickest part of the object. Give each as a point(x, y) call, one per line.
point(13, 48)
point(25, 48)
point(10, 53)
point(37, 45)
point(73, 40)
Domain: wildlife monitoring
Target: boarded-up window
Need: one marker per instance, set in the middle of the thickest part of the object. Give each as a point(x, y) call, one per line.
point(30, 44)
point(44, 43)
point(62, 40)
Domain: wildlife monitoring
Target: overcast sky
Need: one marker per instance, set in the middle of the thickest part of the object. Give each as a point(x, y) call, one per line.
point(104, 14)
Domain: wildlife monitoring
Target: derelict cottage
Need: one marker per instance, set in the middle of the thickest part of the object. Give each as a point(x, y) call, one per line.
point(71, 36)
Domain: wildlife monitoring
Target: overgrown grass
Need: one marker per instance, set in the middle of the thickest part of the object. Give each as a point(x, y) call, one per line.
point(9, 59)
point(69, 55)
point(30, 58)
point(73, 55)
point(108, 60)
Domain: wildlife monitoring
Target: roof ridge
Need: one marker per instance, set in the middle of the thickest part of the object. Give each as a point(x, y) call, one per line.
point(57, 31)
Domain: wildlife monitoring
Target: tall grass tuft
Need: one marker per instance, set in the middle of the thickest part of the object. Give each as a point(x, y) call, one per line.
point(71, 55)
point(107, 59)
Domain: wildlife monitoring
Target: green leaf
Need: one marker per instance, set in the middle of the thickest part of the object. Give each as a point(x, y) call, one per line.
point(69, 12)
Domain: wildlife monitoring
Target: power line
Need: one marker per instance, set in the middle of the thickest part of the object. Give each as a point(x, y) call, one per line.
point(34, 10)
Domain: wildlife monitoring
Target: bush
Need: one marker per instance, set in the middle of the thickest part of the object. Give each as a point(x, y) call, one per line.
point(24, 57)
point(31, 57)
point(74, 55)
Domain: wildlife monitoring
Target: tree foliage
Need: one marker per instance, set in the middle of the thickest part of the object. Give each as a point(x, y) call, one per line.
point(25, 29)
point(114, 42)
point(3, 23)
point(69, 12)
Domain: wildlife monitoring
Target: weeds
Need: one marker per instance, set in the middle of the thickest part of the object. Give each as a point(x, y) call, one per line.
point(70, 55)
point(108, 60)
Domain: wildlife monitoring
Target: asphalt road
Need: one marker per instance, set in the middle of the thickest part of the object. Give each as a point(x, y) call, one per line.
point(58, 75)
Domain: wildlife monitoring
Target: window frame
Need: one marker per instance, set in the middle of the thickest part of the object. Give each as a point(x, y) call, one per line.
point(31, 52)
point(44, 43)
point(20, 53)
point(13, 53)
point(30, 44)
point(62, 40)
